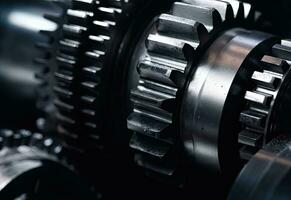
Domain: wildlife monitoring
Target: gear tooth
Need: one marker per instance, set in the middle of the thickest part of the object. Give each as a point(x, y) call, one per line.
point(286, 42)
point(69, 46)
point(149, 146)
point(7, 136)
point(64, 106)
point(248, 11)
point(209, 17)
point(224, 8)
point(168, 46)
point(238, 8)
point(66, 93)
point(90, 85)
point(275, 64)
point(103, 26)
point(17, 139)
point(37, 140)
point(26, 136)
point(283, 50)
point(66, 121)
point(154, 97)
point(143, 123)
point(266, 80)
point(78, 17)
point(109, 12)
point(95, 55)
point(259, 98)
point(89, 113)
point(74, 31)
point(92, 71)
point(89, 99)
point(156, 70)
point(68, 134)
point(64, 77)
point(1, 142)
point(253, 119)
point(159, 167)
point(83, 4)
point(174, 26)
point(250, 138)
point(99, 40)
point(48, 144)
point(68, 62)
point(91, 125)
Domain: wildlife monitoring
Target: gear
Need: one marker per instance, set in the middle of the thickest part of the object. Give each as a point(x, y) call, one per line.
point(11, 139)
point(173, 40)
point(30, 169)
point(91, 35)
point(246, 86)
point(46, 122)
point(263, 99)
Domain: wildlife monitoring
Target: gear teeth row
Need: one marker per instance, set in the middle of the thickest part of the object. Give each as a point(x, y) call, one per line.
point(15, 139)
point(165, 62)
point(255, 119)
point(46, 61)
point(82, 72)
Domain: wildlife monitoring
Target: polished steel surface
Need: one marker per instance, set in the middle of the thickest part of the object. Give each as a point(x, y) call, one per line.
point(206, 96)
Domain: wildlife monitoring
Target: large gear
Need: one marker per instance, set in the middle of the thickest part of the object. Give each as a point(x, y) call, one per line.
point(173, 40)
point(47, 64)
point(91, 35)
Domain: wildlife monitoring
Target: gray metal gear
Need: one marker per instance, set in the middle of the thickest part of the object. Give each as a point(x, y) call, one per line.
point(172, 46)
point(16, 139)
point(31, 168)
point(91, 35)
point(264, 99)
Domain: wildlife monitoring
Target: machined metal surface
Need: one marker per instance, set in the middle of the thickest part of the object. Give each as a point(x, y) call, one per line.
point(211, 96)
point(267, 175)
point(171, 48)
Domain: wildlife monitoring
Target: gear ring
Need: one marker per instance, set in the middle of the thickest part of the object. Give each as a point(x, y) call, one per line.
point(30, 167)
point(162, 73)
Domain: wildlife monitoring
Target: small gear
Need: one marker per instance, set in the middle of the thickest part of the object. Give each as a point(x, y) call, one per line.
point(173, 45)
point(16, 139)
point(30, 168)
point(264, 98)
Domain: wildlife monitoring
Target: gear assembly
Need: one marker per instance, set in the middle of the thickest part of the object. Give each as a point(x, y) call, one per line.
point(141, 99)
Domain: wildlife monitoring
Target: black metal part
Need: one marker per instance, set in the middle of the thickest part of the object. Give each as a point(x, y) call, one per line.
point(20, 22)
point(27, 173)
point(267, 175)
point(214, 96)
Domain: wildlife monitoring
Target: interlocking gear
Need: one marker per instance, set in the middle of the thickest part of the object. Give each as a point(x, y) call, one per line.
point(174, 43)
point(264, 99)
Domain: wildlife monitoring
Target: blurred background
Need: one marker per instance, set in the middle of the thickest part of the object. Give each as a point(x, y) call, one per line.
point(20, 22)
